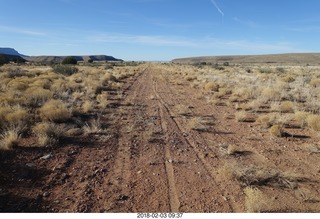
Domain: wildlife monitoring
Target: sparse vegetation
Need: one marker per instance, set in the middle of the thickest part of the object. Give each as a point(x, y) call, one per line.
point(261, 121)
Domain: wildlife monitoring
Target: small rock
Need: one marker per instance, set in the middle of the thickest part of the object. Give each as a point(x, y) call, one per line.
point(30, 165)
point(46, 194)
point(123, 198)
point(64, 176)
point(139, 172)
point(170, 161)
point(46, 157)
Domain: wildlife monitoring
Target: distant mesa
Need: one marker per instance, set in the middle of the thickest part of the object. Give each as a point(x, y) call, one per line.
point(288, 58)
point(13, 54)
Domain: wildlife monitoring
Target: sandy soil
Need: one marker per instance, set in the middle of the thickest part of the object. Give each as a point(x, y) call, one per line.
point(151, 159)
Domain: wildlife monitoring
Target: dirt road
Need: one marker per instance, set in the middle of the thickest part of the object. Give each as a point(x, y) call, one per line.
point(153, 158)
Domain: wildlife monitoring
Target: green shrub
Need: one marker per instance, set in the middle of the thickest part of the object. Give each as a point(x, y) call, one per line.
point(18, 60)
point(69, 61)
point(4, 59)
point(65, 69)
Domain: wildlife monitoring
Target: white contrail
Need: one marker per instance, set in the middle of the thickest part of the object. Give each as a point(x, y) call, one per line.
point(217, 7)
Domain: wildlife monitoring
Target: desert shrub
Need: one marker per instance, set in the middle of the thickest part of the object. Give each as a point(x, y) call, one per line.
point(280, 70)
point(47, 133)
point(54, 110)
point(69, 61)
point(16, 72)
point(265, 70)
point(4, 59)
point(65, 69)
point(18, 60)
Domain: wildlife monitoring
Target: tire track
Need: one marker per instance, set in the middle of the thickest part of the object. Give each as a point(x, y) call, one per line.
point(173, 196)
point(190, 141)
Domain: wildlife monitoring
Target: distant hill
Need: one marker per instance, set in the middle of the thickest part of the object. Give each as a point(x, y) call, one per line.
point(13, 54)
point(58, 59)
point(289, 58)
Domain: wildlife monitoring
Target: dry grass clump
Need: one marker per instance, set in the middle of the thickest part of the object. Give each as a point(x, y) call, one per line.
point(47, 133)
point(233, 150)
point(288, 79)
point(277, 130)
point(270, 94)
point(301, 118)
point(102, 99)
point(255, 200)
point(9, 139)
point(16, 118)
point(54, 110)
point(87, 106)
point(241, 116)
point(106, 78)
point(285, 107)
point(4, 110)
point(266, 121)
point(253, 105)
point(211, 86)
point(94, 126)
point(313, 122)
point(262, 176)
point(182, 110)
point(198, 124)
point(18, 84)
point(315, 83)
point(191, 77)
point(36, 96)
point(313, 149)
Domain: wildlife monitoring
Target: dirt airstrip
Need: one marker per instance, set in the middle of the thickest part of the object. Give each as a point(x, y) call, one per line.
point(153, 158)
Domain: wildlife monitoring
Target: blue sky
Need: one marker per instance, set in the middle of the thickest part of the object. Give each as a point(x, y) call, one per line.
point(159, 29)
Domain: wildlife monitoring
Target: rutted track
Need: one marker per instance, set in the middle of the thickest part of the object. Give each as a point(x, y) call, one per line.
point(150, 160)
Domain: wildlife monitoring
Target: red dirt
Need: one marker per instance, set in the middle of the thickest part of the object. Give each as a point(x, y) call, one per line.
point(150, 160)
